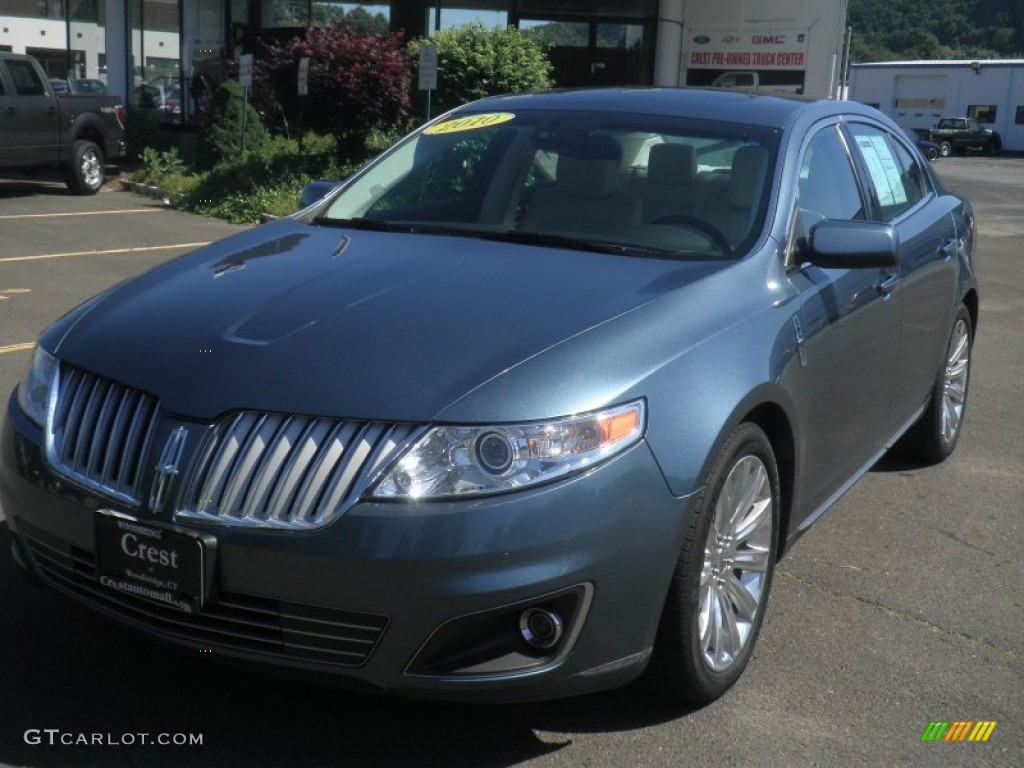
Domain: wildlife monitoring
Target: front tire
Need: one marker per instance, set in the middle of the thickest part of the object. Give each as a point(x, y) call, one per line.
point(719, 591)
point(934, 437)
point(85, 173)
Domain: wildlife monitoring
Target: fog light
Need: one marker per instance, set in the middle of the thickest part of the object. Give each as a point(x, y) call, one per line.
point(541, 629)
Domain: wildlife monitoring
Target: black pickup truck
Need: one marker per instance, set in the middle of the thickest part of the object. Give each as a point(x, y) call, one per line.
point(76, 133)
point(959, 134)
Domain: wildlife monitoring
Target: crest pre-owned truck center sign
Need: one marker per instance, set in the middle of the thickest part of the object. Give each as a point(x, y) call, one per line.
point(748, 50)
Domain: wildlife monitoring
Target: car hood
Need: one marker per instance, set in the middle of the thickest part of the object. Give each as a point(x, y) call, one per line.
point(373, 325)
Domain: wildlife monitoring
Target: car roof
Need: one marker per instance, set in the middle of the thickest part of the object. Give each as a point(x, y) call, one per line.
point(770, 111)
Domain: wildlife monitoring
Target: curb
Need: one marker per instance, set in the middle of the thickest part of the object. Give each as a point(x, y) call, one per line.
point(150, 191)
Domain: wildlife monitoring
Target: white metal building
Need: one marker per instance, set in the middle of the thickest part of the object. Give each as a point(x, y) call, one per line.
point(917, 93)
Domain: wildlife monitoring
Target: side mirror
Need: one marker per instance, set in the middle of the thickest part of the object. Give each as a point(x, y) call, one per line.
point(852, 245)
point(316, 191)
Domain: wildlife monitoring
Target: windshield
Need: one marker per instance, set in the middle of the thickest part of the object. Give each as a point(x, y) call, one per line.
point(610, 182)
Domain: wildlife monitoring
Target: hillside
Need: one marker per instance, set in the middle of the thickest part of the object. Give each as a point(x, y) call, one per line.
point(936, 29)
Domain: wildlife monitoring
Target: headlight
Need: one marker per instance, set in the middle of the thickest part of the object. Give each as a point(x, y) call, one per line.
point(34, 389)
point(470, 461)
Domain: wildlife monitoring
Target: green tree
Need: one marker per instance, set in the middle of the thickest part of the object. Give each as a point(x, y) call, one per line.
point(936, 29)
point(474, 62)
point(221, 136)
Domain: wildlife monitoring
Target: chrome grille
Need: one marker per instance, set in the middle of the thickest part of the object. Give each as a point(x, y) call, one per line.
point(235, 621)
point(100, 433)
point(277, 471)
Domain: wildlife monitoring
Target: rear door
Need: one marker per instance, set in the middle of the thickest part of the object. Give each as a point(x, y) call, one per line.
point(904, 198)
point(28, 116)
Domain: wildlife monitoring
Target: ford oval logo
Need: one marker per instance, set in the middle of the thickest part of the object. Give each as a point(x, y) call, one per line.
point(702, 39)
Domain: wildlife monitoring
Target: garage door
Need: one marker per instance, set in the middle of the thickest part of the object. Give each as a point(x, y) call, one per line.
point(920, 100)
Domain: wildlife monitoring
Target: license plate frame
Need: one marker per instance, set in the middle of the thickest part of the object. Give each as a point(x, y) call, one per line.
point(167, 565)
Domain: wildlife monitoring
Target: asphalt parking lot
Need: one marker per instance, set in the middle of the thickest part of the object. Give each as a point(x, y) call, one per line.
point(902, 606)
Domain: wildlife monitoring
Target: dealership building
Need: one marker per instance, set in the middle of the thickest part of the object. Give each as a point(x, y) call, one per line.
point(917, 93)
point(796, 44)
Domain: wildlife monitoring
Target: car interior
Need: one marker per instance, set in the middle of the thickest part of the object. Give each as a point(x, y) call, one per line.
point(694, 194)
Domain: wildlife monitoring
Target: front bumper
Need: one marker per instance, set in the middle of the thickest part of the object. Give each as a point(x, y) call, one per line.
point(370, 597)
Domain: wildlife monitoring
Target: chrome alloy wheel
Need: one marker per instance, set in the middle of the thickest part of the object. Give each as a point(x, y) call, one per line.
point(91, 168)
point(954, 391)
point(736, 563)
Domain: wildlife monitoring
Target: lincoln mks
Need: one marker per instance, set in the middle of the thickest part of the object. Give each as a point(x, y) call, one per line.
point(530, 406)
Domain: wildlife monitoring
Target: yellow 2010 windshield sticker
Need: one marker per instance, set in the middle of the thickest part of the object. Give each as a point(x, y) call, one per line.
point(470, 123)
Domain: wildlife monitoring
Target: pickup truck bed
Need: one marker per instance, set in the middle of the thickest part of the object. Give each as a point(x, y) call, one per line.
point(76, 133)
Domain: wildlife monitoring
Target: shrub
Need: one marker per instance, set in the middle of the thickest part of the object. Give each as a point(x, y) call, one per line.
point(158, 166)
point(474, 62)
point(357, 84)
point(221, 136)
point(267, 180)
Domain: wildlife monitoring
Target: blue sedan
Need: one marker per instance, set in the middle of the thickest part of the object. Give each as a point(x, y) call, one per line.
point(530, 406)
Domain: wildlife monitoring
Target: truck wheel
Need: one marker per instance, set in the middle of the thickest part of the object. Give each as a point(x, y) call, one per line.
point(991, 148)
point(85, 171)
point(945, 149)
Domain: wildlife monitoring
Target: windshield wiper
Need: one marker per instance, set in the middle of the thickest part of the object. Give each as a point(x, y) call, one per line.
point(376, 225)
point(528, 237)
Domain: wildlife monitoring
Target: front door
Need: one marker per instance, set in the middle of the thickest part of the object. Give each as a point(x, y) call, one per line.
point(848, 329)
point(595, 53)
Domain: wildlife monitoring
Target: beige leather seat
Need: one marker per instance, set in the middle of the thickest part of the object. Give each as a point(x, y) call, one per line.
point(670, 188)
point(732, 213)
point(587, 195)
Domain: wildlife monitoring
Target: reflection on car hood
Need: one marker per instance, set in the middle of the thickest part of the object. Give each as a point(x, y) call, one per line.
point(302, 319)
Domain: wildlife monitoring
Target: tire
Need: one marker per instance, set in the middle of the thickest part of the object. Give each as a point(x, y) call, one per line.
point(992, 149)
point(715, 607)
point(945, 149)
point(934, 437)
point(931, 153)
point(85, 173)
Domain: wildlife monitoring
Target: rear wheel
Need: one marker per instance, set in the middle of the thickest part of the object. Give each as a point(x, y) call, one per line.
point(934, 437)
point(719, 590)
point(85, 171)
point(945, 149)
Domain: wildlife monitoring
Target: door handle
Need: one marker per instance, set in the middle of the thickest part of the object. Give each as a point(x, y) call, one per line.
point(11, 110)
point(948, 249)
point(885, 287)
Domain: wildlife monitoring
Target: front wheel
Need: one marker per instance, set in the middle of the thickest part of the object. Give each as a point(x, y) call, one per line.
point(85, 171)
point(717, 598)
point(932, 153)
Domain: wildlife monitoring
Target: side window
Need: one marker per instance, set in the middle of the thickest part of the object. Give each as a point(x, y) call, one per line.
point(3, 88)
point(895, 175)
point(26, 80)
point(828, 187)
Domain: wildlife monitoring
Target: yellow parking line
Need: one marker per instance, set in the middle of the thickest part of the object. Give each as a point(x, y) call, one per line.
point(17, 347)
point(111, 252)
point(78, 213)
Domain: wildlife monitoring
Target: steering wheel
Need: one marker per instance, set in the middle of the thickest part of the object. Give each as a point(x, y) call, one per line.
point(710, 231)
